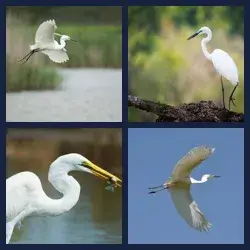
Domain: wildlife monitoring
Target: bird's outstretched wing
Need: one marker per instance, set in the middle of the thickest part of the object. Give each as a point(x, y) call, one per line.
point(58, 56)
point(188, 209)
point(45, 32)
point(191, 160)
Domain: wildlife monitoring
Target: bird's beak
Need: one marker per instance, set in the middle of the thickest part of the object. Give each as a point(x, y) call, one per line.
point(101, 173)
point(194, 35)
point(216, 176)
point(73, 40)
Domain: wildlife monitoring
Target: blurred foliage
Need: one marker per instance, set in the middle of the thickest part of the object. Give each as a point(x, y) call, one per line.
point(102, 146)
point(164, 67)
point(87, 15)
point(97, 29)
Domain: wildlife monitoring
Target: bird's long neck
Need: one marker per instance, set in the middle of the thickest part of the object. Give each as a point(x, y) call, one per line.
point(204, 47)
point(65, 184)
point(62, 43)
point(193, 181)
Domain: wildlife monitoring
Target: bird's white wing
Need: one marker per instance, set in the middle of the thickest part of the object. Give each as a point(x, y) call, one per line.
point(58, 56)
point(225, 66)
point(19, 189)
point(191, 160)
point(188, 209)
point(45, 32)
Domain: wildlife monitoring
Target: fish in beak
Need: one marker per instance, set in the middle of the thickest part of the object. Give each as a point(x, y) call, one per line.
point(111, 179)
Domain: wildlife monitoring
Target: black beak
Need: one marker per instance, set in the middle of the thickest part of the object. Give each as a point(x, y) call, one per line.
point(217, 176)
point(194, 35)
point(73, 40)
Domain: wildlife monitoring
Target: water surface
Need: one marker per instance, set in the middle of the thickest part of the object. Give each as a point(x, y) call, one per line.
point(91, 95)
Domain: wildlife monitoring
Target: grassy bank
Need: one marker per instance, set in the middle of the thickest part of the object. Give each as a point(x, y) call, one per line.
point(98, 47)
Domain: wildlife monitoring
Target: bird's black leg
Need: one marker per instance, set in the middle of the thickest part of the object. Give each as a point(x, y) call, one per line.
point(153, 192)
point(231, 99)
point(156, 187)
point(27, 57)
point(222, 88)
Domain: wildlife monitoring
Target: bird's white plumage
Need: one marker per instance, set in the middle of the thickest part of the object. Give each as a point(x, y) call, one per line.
point(23, 187)
point(58, 56)
point(188, 209)
point(45, 43)
point(45, 32)
point(225, 66)
point(191, 160)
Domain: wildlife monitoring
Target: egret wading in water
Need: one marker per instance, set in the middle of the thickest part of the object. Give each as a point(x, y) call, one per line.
point(179, 184)
point(222, 62)
point(46, 43)
point(26, 197)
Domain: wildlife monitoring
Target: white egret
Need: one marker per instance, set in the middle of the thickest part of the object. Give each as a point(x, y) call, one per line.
point(26, 197)
point(222, 62)
point(179, 187)
point(46, 43)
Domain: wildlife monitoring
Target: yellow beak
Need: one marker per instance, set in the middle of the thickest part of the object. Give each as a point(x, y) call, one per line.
point(101, 173)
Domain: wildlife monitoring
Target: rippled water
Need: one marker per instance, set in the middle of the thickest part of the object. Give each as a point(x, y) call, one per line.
point(96, 218)
point(92, 95)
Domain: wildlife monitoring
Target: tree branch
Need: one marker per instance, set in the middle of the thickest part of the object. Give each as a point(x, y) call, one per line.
point(202, 111)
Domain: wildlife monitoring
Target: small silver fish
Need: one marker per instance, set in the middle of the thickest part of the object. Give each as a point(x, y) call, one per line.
point(111, 185)
point(110, 188)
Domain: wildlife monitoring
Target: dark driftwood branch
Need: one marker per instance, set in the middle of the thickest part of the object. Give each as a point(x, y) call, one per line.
point(202, 111)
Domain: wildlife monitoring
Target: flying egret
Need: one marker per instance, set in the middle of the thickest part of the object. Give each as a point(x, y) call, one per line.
point(25, 196)
point(179, 187)
point(222, 62)
point(46, 43)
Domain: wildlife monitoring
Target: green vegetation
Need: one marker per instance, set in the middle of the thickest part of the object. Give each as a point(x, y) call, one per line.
point(99, 46)
point(165, 67)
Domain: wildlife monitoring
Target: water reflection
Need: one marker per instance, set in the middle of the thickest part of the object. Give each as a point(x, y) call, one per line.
point(97, 217)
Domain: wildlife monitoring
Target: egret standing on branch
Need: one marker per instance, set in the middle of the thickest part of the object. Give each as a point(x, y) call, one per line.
point(25, 196)
point(46, 43)
point(222, 62)
point(179, 187)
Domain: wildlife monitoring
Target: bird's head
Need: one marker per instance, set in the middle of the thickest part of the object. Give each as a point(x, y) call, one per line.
point(203, 30)
point(65, 37)
point(206, 177)
point(77, 162)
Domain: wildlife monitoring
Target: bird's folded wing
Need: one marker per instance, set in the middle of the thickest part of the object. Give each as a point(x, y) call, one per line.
point(191, 160)
point(188, 209)
point(45, 32)
point(15, 200)
point(58, 56)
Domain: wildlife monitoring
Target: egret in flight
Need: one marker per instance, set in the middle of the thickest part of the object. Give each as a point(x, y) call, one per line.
point(26, 197)
point(46, 43)
point(222, 62)
point(179, 187)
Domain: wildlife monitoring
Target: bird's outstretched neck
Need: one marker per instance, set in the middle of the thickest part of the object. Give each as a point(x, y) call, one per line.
point(62, 42)
point(204, 43)
point(193, 181)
